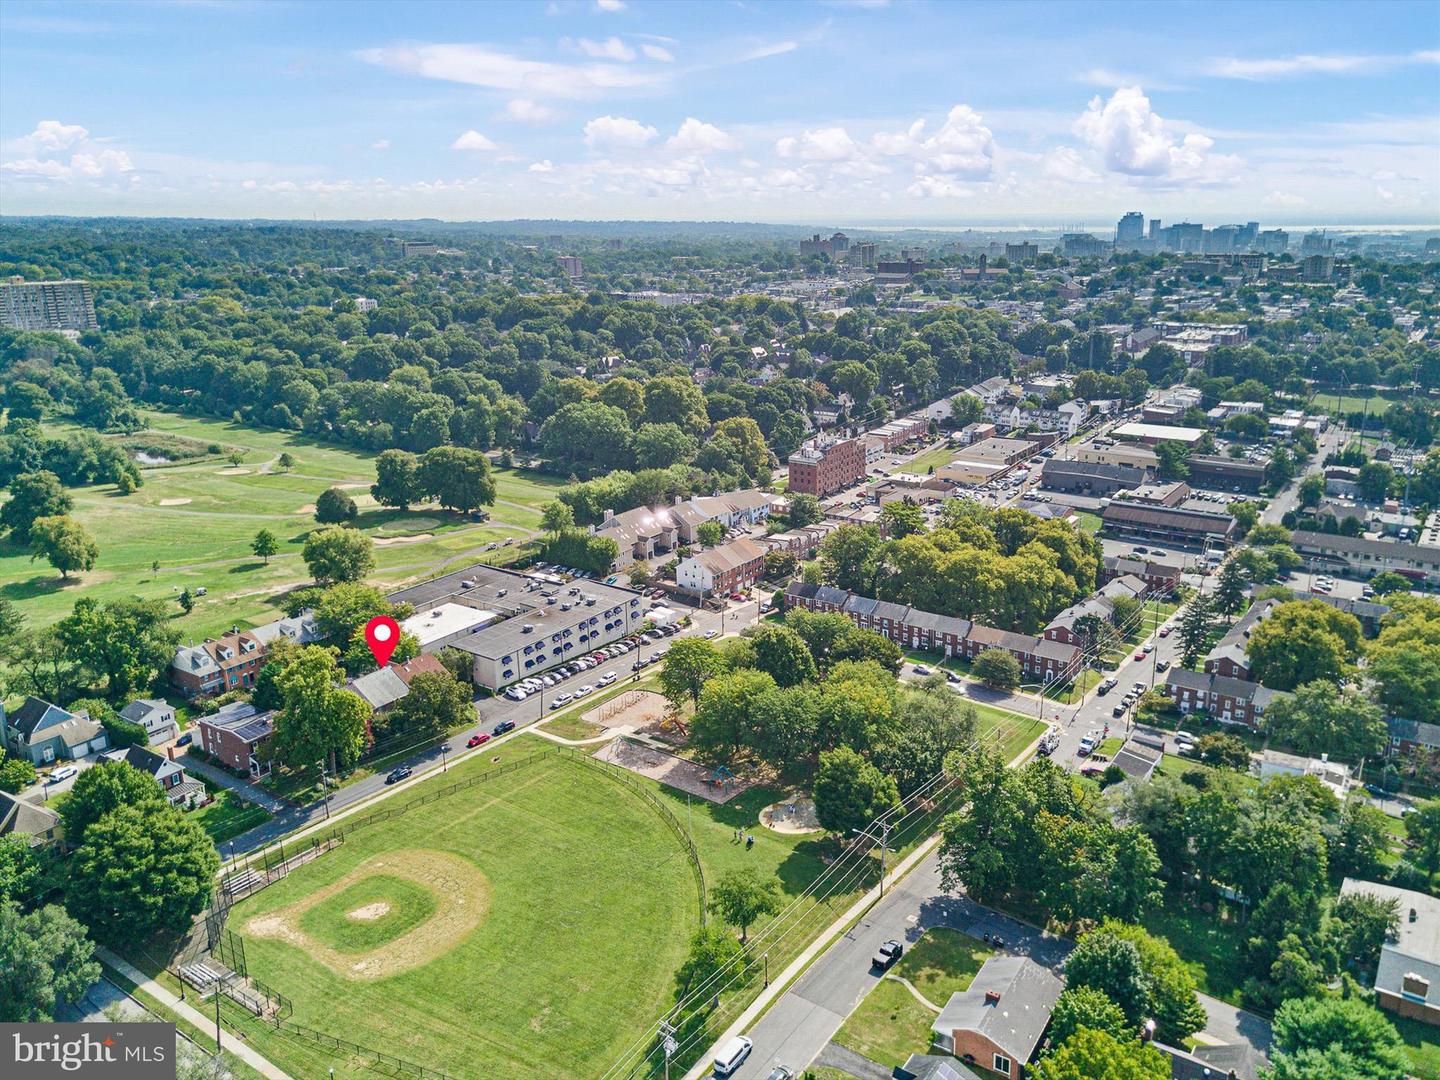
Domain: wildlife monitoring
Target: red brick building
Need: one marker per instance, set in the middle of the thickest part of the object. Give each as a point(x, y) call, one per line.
point(822, 468)
point(235, 735)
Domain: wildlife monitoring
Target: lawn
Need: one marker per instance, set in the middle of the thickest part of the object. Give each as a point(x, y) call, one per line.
point(935, 458)
point(1424, 1044)
point(1208, 943)
point(227, 815)
point(1090, 523)
point(890, 1024)
point(527, 967)
point(196, 518)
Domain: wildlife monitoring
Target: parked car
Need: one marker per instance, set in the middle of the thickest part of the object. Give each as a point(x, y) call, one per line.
point(1163, 665)
point(478, 739)
point(921, 669)
point(953, 676)
point(606, 679)
point(561, 700)
point(780, 1072)
point(709, 634)
point(1140, 654)
point(1165, 631)
point(65, 772)
point(1118, 711)
point(185, 740)
point(737, 596)
point(886, 955)
point(502, 727)
point(1089, 743)
point(396, 775)
point(732, 1055)
point(584, 690)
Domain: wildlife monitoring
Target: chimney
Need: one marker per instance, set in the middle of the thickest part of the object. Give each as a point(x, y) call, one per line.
point(170, 751)
point(992, 997)
point(609, 516)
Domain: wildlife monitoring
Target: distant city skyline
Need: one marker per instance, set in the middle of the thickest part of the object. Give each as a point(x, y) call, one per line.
point(831, 112)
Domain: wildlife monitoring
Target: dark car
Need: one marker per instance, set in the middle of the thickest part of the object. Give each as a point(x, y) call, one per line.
point(886, 955)
point(184, 740)
point(504, 726)
point(396, 775)
point(478, 739)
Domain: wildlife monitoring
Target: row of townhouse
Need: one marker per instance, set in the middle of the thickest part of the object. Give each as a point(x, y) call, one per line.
point(1230, 656)
point(1040, 659)
point(1227, 700)
point(1072, 626)
point(231, 661)
point(1160, 578)
point(650, 532)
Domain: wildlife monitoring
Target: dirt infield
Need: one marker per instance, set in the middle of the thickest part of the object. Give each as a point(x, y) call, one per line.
point(462, 896)
point(635, 709)
point(670, 770)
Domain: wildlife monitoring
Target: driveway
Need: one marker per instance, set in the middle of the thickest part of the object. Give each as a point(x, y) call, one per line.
point(251, 793)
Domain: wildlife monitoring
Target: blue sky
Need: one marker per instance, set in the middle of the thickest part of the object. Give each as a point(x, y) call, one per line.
point(845, 112)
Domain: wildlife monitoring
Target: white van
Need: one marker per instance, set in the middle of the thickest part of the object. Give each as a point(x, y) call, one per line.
point(732, 1055)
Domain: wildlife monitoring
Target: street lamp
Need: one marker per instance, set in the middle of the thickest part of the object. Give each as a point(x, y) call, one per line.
point(324, 788)
point(444, 757)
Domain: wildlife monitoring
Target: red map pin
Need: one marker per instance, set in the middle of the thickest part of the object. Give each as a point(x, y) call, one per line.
point(382, 634)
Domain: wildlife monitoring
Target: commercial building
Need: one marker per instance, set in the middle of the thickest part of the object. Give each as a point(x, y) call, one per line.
point(1356, 555)
point(1023, 252)
point(1136, 457)
point(1407, 978)
point(1152, 434)
point(1225, 474)
point(824, 466)
point(1130, 230)
point(418, 247)
point(47, 305)
point(1174, 525)
point(539, 620)
point(722, 570)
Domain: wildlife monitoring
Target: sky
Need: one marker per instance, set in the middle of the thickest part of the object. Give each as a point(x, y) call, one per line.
point(808, 111)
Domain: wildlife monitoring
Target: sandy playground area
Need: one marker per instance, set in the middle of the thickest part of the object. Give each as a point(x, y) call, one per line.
point(670, 770)
point(792, 817)
point(462, 900)
point(634, 709)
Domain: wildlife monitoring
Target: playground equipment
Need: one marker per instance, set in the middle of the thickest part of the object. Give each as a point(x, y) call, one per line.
point(722, 778)
point(672, 722)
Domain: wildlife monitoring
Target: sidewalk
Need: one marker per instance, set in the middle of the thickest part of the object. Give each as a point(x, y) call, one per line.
point(146, 985)
point(222, 778)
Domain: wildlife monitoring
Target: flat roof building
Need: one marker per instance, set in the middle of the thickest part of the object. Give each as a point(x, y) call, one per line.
point(1151, 434)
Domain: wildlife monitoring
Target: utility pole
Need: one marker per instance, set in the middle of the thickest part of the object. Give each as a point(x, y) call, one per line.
point(324, 788)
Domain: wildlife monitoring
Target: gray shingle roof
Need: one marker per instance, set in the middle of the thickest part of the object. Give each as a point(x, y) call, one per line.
point(1014, 1020)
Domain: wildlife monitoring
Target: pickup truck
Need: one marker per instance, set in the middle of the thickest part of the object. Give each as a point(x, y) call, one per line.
point(886, 955)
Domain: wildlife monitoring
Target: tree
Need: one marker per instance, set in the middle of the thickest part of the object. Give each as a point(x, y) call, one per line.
point(1364, 922)
point(902, 519)
point(1171, 456)
point(1085, 1007)
point(997, 668)
point(556, 517)
point(1112, 965)
point(337, 554)
point(742, 896)
point(186, 600)
point(1229, 595)
point(436, 702)
point(33, 495)
point(102, 789)
point(722, 721)
point(125, 642)
point(658, 446)
point(1302, 642)
point(804, 510)
point(710, 533)
point(1423, 829)
point(64, 543)
point(689, 664)
point(397, 479)
point(1246, 514)
point(1098, 1055)
point(141, 868)
point(782, 653)
point(334, 507)
point(264, 545)
point(20, 870)
point(1194, 630)
point(16, 774)
point(1223, 751)
point(1174, 1003)
point(1321, 718)
point(1359, 840)
point(1374, 481)
point(850, 792)
point(46, 961)
point(285, 461)
point(1389, 582)
point(1312, 490)
point(712, 950)
point(1344, 1030)
point(317, 719)
point(457, 478)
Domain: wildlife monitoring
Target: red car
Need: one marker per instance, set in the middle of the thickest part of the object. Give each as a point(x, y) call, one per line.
point(478, 739)
point(1139, 654)
point(737, 596)
point(1165, 631)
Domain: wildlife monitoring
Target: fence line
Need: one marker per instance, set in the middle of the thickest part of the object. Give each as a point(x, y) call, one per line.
point(390, 1061)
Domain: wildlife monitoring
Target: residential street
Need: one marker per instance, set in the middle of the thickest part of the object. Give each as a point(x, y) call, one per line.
point(806, 1017)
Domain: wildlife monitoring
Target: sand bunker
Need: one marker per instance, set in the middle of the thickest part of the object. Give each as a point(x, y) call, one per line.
point(386, 541)
point(370, 912)
point(462, 900)
point(173, 502)
point(232, 472)
point(308, 508)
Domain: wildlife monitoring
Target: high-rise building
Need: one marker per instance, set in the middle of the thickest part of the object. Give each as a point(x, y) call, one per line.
point(862, 253)
point(1154, 229)
point(1023, 252)
point(1082, 245)
point(1316, 243)
point(417, 247)
point(1273, 242)
point(823, 466)
point(47, 305)
point(1130, 230)
point(572, 266)
point(1186, 236)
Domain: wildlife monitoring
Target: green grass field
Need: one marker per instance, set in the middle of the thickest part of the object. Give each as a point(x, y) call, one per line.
point(935, 458)
point(890, 1024)
point(197, 518)
point(573, 958)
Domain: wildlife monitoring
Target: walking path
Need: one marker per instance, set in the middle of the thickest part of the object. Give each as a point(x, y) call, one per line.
point(915, 993)
point(229, 1042)
point(251, 793)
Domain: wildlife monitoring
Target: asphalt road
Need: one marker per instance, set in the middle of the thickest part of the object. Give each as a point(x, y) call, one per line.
point(806, 1017)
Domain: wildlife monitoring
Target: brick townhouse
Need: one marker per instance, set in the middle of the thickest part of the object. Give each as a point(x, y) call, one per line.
point(1230, 658)
point(721, 570)
point(235, 736)
point(1159, 577)
point(1230, 701)
point(823, 467)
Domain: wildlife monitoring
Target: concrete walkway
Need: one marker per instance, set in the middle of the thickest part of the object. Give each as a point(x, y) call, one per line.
point(251, 793)
point(835, 1056)
point(915, 993)
point(146, 985)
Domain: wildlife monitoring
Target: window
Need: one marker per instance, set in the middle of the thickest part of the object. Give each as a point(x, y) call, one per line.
point(1002, 1064)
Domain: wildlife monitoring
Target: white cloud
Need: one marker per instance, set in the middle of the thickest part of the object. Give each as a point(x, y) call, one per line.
point(473, 140)
point(939, 187)
point(1133, 139)
point(51, 135)
point(1065, 164)
point(542, 166)
point(963, 146)
point(760, 52)
point(658, 52)
point(1284, 199)
point(57, 151)
point(37, 169)
point(612, 48)
point(821, 144)
point(696, 137)
point(1281, 67)
point(525, 111)
point(609, 6)
point(482, 65)
point(617, 131)
point(380, 144)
